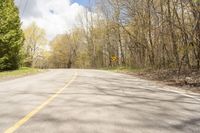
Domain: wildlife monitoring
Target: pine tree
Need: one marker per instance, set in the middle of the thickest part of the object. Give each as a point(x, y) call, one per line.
point(11, 36)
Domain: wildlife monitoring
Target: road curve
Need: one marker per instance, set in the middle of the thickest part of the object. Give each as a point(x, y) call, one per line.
point(95, 102)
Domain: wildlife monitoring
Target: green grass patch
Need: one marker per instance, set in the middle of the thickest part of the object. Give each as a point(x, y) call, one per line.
point(20, 72)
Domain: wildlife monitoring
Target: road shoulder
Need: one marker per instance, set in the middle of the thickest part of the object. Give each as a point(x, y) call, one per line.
point(165, 85)
point(22, 72)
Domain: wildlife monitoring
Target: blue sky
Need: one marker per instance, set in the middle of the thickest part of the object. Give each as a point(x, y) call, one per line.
point(81, 2)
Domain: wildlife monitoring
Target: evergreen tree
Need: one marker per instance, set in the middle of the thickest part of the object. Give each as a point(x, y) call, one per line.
point(11, 36)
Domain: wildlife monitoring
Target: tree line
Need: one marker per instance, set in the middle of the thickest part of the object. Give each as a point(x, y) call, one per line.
point(157, 34)
point(19, 47)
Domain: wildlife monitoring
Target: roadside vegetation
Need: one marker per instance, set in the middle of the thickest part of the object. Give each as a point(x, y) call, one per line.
point(155, 34)
point(23, 71)
point(11, 36)
point(189, 81)
point(16, 50)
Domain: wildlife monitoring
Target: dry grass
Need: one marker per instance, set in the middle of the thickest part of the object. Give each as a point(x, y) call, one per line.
point(18, 73)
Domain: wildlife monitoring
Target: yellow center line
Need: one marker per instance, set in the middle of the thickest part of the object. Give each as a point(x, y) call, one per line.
point(37, 109)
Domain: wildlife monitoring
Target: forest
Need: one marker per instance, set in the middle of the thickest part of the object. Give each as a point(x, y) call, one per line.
point(139, 33)
point(149, 34)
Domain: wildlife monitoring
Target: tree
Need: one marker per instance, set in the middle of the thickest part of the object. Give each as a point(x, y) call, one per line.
point(64, 49)
point(35, 40)
point(157, 34)
point(11, 36)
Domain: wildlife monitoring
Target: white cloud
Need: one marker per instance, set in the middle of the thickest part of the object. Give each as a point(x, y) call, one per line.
point(55, 16)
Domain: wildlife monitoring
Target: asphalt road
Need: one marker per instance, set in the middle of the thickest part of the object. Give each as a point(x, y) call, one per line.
point(91, 101)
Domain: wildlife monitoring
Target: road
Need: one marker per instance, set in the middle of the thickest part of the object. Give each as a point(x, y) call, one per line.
point(94, 101)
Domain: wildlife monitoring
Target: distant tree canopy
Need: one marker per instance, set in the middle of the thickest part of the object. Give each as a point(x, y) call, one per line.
point(11, 36)
point(35, 40)
point(158, 34)
point(64, 50)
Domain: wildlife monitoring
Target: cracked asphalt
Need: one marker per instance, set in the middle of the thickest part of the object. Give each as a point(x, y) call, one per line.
point(96, 102)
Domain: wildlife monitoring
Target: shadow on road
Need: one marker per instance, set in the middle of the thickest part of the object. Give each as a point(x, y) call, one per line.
point(119, 104)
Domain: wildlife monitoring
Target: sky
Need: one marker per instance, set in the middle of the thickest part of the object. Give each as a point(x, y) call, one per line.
point(54, 16)
point(82, 2)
